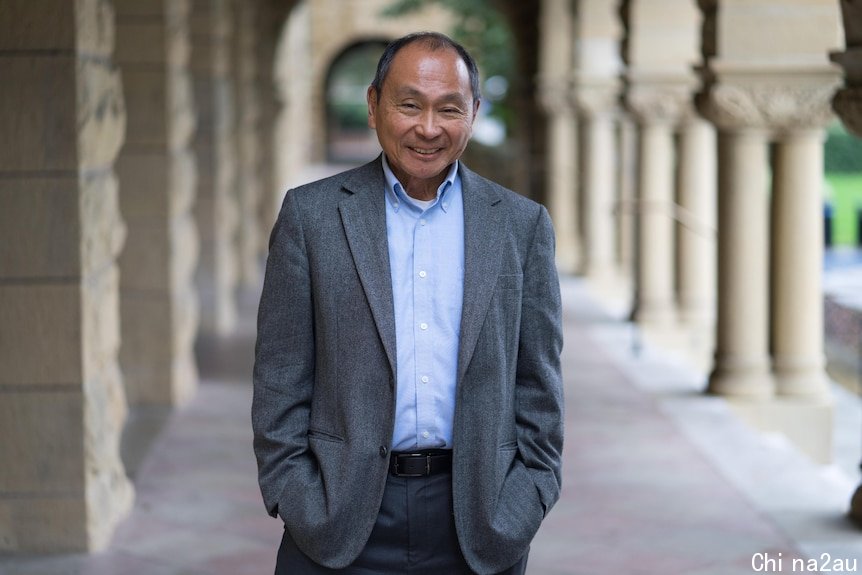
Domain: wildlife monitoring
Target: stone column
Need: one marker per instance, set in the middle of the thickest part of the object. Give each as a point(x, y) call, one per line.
point(249, 165)
point(627, 162)
point(696, 226)
point(270, 22)
point(742, 366)
point(657, 109)
point(556, 53)
point(62, 406)
point(157, 175)
point(797, 250)
point(294, 89)
point(597, 106)
point(562, 173)
point(216, 209)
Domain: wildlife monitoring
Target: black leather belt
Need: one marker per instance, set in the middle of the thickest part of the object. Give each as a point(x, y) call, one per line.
point(420, 463)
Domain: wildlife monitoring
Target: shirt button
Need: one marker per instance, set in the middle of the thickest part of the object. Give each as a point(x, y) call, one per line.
point(383, 451)
point(422, 222)
point(425, 434)
point(425, 379)
point(423, 326)
point(423, 273)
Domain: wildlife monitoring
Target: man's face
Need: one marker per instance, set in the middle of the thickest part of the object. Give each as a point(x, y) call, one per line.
point(424, 116)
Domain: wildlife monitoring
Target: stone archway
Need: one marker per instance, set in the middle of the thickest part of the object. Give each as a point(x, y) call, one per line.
point(348, 138)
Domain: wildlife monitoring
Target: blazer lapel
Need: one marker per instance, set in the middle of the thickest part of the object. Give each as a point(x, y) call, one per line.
point(483, 238)
point(363, 215)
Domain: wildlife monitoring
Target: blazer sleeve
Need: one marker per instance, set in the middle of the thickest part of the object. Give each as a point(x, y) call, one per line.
point(539, 386)
point(284, 366)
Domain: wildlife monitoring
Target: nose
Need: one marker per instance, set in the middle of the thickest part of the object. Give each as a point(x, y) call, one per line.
point(428, 125)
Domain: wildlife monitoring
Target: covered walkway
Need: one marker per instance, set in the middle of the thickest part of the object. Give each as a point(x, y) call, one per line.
point(659, 479)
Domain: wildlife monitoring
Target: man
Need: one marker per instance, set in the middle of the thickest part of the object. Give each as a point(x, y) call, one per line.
point(407, 394)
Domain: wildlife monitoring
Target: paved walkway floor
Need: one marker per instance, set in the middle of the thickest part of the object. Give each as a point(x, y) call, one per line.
point(659, 479)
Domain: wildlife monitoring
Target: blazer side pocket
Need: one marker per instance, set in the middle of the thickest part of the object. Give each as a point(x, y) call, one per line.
point(314, 433)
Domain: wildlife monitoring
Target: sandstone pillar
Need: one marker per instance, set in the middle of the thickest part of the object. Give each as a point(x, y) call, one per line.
point(216, 208)
point(696, 228)
point(271, 18)
point(249, 173)
point(294, 89)
point(557, 53)
point(662, 48)
point(797, 295)
point(742, 365)
point(627, 165)
point(656, 109)
point(766, 78)
point(157, 175)
point(62, 406)
point(595, 77)
point(597, 168)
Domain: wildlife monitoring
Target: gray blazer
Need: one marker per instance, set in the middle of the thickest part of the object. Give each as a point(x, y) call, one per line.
point(324, 372)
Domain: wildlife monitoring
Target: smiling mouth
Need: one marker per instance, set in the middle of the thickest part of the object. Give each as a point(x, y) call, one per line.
point(426, 151)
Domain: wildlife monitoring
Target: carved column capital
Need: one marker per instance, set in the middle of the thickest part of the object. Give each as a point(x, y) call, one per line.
point(555, 94)
point(659, 103)
point(596, 98)
point(770, 106)
point(848, 105)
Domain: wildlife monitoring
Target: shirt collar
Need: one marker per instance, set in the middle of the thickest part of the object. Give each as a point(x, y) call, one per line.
point(396, 195)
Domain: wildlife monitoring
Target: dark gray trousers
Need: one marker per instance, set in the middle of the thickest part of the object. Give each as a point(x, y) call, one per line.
point(414, 535)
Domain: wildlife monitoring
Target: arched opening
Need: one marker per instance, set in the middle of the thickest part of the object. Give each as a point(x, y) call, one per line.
point(348, 138)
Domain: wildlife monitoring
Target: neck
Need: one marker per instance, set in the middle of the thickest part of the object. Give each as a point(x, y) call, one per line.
point(419, 188)
point(422, 190)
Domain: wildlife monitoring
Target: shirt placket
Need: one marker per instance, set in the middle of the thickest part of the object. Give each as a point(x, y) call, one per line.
point(424, 330)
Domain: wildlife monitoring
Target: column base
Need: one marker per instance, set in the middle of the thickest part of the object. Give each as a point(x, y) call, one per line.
point(806, 424)
point(751, 381)
point(654, 315)
point(801, 379)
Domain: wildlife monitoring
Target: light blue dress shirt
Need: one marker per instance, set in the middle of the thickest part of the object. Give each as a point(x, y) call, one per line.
point(426, 257)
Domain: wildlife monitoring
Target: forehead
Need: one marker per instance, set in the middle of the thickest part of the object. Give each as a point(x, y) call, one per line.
point(419, 67)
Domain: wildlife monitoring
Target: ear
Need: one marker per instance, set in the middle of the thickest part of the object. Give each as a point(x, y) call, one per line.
point(371, 98)
point(476, 103)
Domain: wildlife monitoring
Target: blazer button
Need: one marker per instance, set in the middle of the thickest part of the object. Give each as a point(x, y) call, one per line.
point(383, 451)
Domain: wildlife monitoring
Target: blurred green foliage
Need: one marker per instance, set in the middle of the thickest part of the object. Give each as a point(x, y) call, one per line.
point(844, 195)
point(842, 151)
point(481, 28)
point(842, 160)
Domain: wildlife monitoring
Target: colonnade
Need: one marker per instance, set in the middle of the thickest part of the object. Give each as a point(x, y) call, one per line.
point(729, 100)
point(133, 176)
